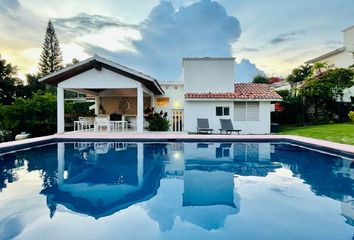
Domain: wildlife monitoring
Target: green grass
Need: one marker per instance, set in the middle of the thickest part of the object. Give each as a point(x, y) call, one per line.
point(341, 132)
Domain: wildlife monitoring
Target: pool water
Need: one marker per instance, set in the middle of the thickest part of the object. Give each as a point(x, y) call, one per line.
point(114, 190)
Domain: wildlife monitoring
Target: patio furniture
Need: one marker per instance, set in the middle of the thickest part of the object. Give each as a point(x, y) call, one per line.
point(117, 125)
point(203, 126)
point(81, 125)
point(102, 122)
point(226, 125)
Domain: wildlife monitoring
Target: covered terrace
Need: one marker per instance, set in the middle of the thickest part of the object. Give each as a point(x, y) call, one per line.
point(117, 89)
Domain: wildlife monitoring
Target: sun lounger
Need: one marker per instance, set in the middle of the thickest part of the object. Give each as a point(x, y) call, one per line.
point(203, 126)
point(227, 127)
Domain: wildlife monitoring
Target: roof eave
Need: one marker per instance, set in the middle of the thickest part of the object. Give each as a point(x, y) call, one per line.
point(88, 64)
point(329, 54)
point(235, 99)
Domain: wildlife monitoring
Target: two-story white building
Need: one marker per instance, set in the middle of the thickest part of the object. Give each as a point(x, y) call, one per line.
point(340, 58)
point(208, 90)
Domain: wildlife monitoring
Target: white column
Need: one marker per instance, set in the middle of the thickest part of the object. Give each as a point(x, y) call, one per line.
point(60, 110)
point(97, 105)
point(140, 165)
point(140, 110)
point(61, 162)
point(152, 101)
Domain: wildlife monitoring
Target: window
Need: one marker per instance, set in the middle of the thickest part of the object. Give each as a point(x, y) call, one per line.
point(252, 111)
point(162, 101)
point(218, 111)
point(226, 111)
point(222, 111)
point(246, 111)
point(240, 111)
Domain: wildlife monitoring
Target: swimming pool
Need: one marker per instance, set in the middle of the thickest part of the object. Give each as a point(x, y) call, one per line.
point(181, 190)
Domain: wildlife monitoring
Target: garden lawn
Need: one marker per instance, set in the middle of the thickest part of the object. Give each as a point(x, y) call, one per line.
point(341, 132)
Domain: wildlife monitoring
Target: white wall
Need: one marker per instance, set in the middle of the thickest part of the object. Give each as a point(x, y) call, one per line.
point(206, 109)
point(348, 38)
point(202, 75)
point(99, 79)
point(340, 60)
point(176, 94)
point(262, 126)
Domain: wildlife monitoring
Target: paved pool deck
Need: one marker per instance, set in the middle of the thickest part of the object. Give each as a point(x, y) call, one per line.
point(180, 136)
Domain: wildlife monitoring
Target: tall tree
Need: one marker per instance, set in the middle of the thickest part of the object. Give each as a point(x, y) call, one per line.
point(51, 58)
point(8, 82)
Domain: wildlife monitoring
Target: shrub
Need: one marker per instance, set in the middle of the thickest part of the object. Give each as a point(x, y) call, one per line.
point(293, 112)
point(36, 115)
point(157, 121)
point(260, 78)
point(5, 136)
point(351, 115)
point(79, 108)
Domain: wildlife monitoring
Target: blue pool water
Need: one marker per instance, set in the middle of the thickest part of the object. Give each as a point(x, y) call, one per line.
point(176, 190)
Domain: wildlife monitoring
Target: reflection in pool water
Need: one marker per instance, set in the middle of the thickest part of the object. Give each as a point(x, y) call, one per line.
point(175, 190)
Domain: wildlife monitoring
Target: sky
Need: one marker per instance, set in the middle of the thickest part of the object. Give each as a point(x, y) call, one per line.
point(152, 36)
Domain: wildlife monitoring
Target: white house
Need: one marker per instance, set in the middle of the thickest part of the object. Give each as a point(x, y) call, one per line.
point(208, 90)
point(211, 92)
point(340, 58)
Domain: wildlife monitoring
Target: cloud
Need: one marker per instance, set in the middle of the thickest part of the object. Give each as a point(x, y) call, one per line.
point(96, 30)
point(245, 71)
point(285, 37)
point(155, 46)
point(200, 29)
point(246, 49)
point(19, 26)
point(86, 24)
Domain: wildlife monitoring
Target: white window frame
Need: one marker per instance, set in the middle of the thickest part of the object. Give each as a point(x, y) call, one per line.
point(247, 115)
point(223, 111)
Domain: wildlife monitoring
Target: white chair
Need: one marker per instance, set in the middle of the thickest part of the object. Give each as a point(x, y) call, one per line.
point(102, 122)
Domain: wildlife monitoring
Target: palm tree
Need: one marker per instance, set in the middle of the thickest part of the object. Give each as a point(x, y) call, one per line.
point(318, 68)
point(298, 75)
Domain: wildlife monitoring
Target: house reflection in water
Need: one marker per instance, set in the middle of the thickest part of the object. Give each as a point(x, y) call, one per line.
point(97, 183)
point(103, 178)
point(202, 179)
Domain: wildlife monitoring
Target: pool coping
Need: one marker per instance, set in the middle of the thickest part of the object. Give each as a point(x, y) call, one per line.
point(322, 145)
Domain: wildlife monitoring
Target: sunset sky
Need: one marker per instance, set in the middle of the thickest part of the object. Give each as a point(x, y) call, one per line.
point(152, 36)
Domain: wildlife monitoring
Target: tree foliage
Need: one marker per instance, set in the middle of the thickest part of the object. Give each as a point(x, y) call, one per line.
point(330, 84)
point(319, 68)
point(158, 121)
point(299, 74)
point(32, 86)
point(260, 78)
point(36, 115)
point(8, 82)
point(51, 57)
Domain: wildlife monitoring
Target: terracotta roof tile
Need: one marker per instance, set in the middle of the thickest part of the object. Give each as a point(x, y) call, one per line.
point(241, 91)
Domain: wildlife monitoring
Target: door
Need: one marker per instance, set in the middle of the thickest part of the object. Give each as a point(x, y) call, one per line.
point(177, 120)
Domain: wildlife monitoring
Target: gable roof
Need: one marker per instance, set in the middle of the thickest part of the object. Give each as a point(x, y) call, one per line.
point(242, 91)
point(97, 62)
